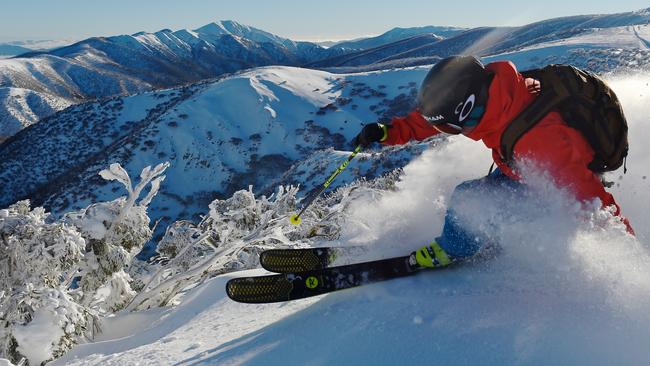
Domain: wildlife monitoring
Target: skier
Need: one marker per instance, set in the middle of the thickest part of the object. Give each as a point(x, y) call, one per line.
point(460, 95)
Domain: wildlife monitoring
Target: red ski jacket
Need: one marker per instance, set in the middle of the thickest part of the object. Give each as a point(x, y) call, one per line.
point(551, 144)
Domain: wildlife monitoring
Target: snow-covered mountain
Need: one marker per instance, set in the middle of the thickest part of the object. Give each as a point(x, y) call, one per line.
point(397, 34)
point(600, 50)
point(24, 107)
point(12, 50)
point(379, 53)
point(108, 66)
point(167, 58)
point(16, 48)
point(488, 41)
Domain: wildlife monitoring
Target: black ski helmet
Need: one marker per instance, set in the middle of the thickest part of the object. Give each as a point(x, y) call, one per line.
point(453, 95)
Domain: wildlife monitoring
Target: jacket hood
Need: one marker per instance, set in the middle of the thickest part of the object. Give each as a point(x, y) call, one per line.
point(508, 96)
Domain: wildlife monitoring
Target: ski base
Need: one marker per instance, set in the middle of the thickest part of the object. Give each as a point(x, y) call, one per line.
point(303, 284)
point(309, 259)
point(296, 260)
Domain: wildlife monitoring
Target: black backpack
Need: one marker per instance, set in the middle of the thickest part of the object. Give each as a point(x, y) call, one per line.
point(586, 103)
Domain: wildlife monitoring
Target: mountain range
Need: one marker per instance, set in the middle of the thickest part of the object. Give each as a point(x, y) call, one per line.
point(15, 48)
point(12, 50)
point(397, 34)
point(101, 67)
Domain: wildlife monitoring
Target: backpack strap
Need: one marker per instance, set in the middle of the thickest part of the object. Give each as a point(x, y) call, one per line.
point(553, 92)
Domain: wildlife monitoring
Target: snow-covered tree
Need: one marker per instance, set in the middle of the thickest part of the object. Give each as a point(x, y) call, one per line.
point(38, 319)
point(56, 277)
point(116, 233)
point(231, 237)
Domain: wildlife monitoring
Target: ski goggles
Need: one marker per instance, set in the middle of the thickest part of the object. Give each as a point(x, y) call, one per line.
point(465, 126)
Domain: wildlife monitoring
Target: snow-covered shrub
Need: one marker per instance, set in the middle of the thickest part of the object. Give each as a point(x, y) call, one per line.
point(56, 277)
point(114, 295)
point(239, 225)
point(56, 324)
point(116, 232)
point(38, 319)
point(243, 226)
point(231, 237)
point(328, 215)
point(176, 244)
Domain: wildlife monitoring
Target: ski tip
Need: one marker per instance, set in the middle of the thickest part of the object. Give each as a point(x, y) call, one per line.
point(295, 219)
point(259, 290)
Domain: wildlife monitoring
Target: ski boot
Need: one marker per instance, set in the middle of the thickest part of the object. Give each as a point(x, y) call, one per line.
point(432, 256)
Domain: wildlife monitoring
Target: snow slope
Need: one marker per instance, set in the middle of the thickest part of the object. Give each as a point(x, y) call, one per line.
point(24, 107)
point(598, 49)
point(568, 286)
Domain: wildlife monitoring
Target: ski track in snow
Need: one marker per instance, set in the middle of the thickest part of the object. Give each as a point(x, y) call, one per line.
point(643, 41)
point(569, 285)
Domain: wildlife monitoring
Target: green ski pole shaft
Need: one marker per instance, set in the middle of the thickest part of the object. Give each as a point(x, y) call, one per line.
point(295, 219)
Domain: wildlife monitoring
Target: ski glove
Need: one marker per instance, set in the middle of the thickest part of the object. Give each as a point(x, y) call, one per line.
point(372, 132)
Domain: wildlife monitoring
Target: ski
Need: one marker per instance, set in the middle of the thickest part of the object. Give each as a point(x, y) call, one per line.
point(309, 259)
point(303, 284)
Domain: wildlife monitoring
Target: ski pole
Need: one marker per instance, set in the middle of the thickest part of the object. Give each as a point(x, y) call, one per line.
point(295, 219)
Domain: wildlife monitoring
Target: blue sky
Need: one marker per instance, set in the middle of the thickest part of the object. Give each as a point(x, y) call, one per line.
point(306, 19)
